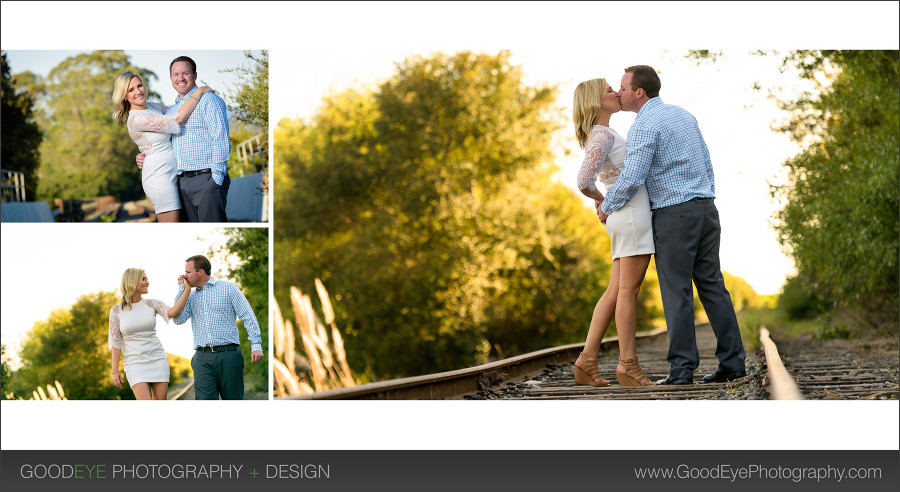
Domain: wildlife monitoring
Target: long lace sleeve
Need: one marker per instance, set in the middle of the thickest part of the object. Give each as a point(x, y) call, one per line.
point(115, 334)
point(145, 121)
point(596, 161)
point(160, 307)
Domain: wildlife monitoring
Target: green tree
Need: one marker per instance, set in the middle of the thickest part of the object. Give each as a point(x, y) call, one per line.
point(428, 209)
point(250, 108)
point(840, 217)
point(21, 136)
point(5, 372)
point(798, 301)
point(249, 247)
point(250, 104)
point(742, 294)
point(71, 346)
point(84, 154)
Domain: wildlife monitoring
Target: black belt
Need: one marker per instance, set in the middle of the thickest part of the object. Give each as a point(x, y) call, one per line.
point(191, 174)
point(219, 348)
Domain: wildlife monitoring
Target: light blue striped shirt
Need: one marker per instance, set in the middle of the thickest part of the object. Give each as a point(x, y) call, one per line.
point(213, 311)
point(203, 142)
point(667, 153)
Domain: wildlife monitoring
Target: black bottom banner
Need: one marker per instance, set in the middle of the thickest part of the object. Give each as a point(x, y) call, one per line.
point(470, 471)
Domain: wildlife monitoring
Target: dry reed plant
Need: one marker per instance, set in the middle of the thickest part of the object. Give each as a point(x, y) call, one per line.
point(54, 392)
point(326, 362)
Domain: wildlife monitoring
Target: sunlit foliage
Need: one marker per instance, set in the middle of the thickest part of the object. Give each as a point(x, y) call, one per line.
point(840, 221)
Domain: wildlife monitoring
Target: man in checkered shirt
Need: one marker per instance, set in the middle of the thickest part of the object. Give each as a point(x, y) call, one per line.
point(201, 148)
point(666, 151)
point(213, 309)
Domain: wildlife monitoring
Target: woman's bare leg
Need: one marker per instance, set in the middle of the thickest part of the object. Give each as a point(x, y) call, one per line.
point(586, 364)
point(160, 390)
point(603, 312)
point(170, 216)
point(142, 391)
point(631, 275)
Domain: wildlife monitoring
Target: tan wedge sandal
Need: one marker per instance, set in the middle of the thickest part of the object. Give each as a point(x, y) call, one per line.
point(633, 376)
point(590, 374)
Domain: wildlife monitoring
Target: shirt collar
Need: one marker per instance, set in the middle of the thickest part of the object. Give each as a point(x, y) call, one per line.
point(652, 102)
point(179, 98)
point(211, 281)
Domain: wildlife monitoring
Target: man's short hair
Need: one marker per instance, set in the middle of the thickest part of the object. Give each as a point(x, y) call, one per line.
point(644, 77)
point(200, 263)
point(183, 59)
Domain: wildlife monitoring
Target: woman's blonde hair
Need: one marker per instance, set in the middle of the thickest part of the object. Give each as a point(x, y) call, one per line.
point(120, 89)
point(130, 279)
point(586, 107)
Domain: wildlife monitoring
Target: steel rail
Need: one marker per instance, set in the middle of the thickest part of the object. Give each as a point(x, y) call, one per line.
point(781, 384)
point(454, 384)
point(182, 391)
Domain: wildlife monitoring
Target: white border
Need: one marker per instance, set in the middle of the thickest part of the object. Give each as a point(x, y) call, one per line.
point(454, 425)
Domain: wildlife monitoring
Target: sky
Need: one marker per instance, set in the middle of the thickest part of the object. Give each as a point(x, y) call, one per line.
point(42, 273)
point(317, 45)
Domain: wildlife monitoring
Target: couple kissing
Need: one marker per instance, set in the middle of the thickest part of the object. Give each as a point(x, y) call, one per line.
point(659, 199)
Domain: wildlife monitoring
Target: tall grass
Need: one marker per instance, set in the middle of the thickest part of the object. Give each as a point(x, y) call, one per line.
point(54, 392)
point(324, 365)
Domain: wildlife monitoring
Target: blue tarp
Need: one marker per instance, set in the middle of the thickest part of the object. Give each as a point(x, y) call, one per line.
point(245, 199)
point(25, 212)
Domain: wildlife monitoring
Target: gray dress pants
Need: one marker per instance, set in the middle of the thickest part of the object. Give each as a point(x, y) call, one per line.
point(687, 237)
point(202, 200)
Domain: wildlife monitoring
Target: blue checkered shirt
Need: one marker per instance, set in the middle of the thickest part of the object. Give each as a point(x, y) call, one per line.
point(213, 311)
point(203, 142)
point(667, 153)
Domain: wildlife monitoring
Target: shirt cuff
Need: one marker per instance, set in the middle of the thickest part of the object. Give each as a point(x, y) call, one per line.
point(255, 347)
point(604, 207)
point(218, 177)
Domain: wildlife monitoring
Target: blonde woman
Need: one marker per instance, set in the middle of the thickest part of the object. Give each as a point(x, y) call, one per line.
point(132, 333)
point(630, 234)
point(151, 129)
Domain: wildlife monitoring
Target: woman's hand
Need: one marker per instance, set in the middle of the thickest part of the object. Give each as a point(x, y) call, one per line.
point(205, 89)
point(181, 302)
point(117, 379)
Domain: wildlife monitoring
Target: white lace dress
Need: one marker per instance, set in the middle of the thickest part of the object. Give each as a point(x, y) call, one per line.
point(151, 129)
point(133, 331)
point(630, 229)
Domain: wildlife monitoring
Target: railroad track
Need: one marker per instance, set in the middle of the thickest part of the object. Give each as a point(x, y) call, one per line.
point(557, 381)
point(842, 369)
point(547, 375)
point(457, 384)
point(185, 392)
